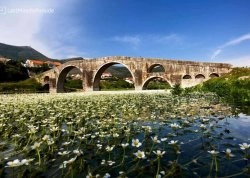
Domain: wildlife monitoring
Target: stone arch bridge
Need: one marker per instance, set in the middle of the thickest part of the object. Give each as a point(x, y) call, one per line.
point(186, 73)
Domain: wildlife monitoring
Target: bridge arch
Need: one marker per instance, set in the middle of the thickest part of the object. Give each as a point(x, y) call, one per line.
point(200, 76)
point(213, 75)
point(187, 77)
point(156, 68)
point(146, 82)
point(102, 68)
point(62, 76)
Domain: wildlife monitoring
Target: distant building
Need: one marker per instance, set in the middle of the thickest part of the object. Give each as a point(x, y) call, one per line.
point(38, 63)
point(4, 60)
point(129, 80)
point(106, 75)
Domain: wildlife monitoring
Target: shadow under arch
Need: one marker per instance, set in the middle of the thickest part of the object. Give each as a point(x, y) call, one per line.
point(213, 75)
point(200, 76)
point(156, 68)
point(187, 77)
point(103, 68)
point(145, 84)
point(62, 76)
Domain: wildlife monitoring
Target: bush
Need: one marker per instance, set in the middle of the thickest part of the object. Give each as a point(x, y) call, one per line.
point(177, 90)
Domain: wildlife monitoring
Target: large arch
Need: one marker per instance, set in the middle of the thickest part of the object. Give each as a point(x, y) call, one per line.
point(103, 68)
point(154, 67)
point(146, 82)
point(213, 75)
point(62, 76)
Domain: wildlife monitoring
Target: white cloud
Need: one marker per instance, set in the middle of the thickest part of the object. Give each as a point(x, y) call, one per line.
point(233, 42)
point(216, 53)
point(137, 40)
point(37, 29)
point(237, 40)
point(172, 38)
point(133, 40)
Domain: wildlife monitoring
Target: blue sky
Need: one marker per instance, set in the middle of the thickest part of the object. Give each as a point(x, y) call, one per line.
point(200, 30)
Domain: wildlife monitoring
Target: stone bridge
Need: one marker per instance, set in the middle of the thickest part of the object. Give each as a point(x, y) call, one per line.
point(186, 73)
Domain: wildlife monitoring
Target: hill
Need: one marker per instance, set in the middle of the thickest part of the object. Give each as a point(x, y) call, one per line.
point(20, 53)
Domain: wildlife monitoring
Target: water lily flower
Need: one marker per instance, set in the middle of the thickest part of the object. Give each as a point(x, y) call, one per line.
point(107, 175)
point(140, 154)
point(244, 146)
point(228, 153)
point(213, 152)
point(110, 148)
point(159, 153)
point(164, 139)
point(173, 142)
point(155, 139)
point(124, 145)
point(63, 153)
point(36, 145)
point(203, 126)
point(77, 152)
point(14, 163)
point(136, 143)
point(175, 126)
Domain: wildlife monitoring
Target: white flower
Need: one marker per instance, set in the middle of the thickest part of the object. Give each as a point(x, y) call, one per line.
point(228, 153)
point(159, 153)
point(213, 152)
point(175, 126)
point(155, 139)
point(136, 143)
point(99, 146)
point(110, 148)
point(140, 154)
point(64, 153)
point(115, 135)
point(14, 163)
point(26, 161)
point(164, 139)
point(172, 142)
point(110, 162)
point(107, 175)
point(67, 162)
point(124, 145)
point(77, 152)
point(202, 126)
point(36, 145)
point(244, 146)
point(46, 138)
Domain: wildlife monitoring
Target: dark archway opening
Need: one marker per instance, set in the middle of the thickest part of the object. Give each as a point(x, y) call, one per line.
point(113, 76)
point(46, 82)
point(199, 76)
point(156, 68)
point(213, 75)
point(70, 80)
point(187, 77)
point(156, 83)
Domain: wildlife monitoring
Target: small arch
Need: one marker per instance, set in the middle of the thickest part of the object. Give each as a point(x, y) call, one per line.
point(46, 79)
point(157, 79)
point(200, 76)
point(213, 75)
point(98, 75)
point(156, 68)
point(187, 77)
point(64, 74)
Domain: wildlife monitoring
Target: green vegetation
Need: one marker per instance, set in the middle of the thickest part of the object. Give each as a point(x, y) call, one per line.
point(155, 85)
point(115, 84)
point(12, 71)
point(27, 86)
point(233, 87)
